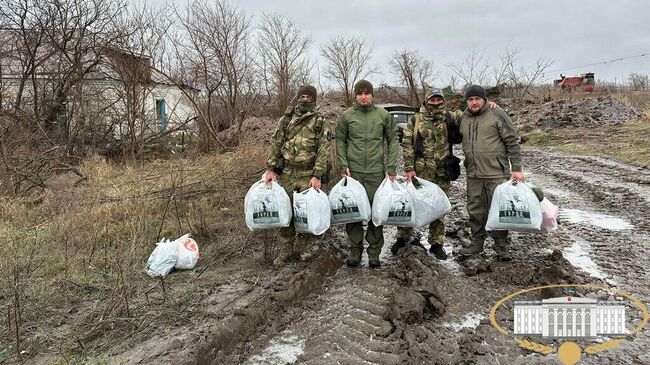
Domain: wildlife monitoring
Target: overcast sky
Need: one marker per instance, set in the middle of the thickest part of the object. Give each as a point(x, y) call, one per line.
point(572, 33)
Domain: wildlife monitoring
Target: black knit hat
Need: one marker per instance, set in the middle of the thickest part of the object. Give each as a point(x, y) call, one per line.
point(308, 90)
point(361, 86)
point(475, 90)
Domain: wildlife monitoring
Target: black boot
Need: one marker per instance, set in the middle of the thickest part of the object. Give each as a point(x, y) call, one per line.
point(438, 251)
point(400, 243)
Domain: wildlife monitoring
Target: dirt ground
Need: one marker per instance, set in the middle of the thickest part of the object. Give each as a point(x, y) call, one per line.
point(414, 309)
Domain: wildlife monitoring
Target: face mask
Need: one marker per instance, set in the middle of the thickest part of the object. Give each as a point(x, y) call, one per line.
point(433, 107)
point(304, 107)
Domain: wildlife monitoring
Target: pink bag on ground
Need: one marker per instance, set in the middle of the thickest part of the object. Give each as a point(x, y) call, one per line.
point(550, 212)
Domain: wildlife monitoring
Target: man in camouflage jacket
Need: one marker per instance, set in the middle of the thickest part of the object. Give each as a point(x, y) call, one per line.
point(428, 164)
point(300, 148)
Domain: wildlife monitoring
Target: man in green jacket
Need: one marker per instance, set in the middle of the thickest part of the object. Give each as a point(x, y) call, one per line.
point(492, 155)
point(298, 153)
point(360, 136)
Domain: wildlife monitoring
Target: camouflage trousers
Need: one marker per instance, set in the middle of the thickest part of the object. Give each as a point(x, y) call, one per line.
point(290, 241)
point(479, 199)
point(437, 227)
point(374, 234)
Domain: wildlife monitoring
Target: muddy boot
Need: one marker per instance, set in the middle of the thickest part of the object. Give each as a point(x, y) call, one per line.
point(355, 258)
point(302, 247)
point(374, 262)
point(415, 241)
point(399, 244)
point(284, 255)
point(474, 248)
point(501, 247)
point(438, 251)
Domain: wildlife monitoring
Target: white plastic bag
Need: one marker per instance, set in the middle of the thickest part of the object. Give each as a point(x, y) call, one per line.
point(349, 202)
point(429, 202)
point(514, 207)
point(267, 206)
point(163, 258)
point(188, 252)
point(311, 211)
point(550, 212)
point(392, 204)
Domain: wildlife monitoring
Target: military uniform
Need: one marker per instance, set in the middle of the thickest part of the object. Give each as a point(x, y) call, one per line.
point(429, 165)
point(302, 138)
point(360, 136)
point(491, 148)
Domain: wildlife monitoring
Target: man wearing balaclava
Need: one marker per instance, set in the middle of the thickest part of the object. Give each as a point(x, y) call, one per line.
point(492, 156)
point(297, 158)
point(427, 161)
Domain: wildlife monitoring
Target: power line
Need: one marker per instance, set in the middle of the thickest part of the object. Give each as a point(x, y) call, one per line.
point(602, 62)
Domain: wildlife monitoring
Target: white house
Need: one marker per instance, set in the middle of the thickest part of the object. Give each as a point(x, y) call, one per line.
point(567, 317)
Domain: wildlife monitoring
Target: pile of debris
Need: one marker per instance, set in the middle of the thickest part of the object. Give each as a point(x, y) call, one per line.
point(589, 112)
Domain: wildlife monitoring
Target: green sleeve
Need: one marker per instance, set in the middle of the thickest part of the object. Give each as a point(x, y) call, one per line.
point(510, 139)
point(323, 152)
point(390, 134)
point(407, 146)
point(342, 143)
point(277, 140)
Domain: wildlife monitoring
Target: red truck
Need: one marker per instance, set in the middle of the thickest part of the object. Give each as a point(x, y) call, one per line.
point(586, 81)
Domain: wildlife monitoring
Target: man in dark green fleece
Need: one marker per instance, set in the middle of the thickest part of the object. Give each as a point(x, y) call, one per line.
point(360, 136)
point(492, 155)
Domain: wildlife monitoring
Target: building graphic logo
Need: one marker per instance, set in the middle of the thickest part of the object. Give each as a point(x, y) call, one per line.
point(569, 317)
point(569, 322)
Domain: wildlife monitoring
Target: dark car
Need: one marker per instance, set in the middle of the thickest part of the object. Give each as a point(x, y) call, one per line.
point(401, 114)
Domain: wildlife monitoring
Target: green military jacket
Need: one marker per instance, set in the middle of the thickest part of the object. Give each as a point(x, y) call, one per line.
point(304, 142)
point(433, 129)
point(360, 136)
point(490, 144)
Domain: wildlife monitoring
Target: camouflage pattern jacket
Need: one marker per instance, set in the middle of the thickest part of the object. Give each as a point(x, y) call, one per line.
point(304, 142)
point(433, 131)
point(490, 144)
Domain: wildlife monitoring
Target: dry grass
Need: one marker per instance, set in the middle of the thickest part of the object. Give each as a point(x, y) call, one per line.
point(74, 256)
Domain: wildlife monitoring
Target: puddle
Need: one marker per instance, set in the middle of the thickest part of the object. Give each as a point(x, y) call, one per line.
point(600, 220)
point(282, 350)
point(470, 320)
point(578, 255)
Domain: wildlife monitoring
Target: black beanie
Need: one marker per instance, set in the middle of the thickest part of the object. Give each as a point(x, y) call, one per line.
point(475, 90)
point(308, 90)
point(361, 86)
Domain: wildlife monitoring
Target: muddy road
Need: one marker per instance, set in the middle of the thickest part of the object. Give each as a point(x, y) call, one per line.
point(384, 316)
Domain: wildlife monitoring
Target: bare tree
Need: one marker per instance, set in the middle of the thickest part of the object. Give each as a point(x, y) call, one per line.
point(638, 81)
point(283, 50)
point(521, 78)
point(473, 70)
point(347, 61)
point(413, 70)
point(215, 47)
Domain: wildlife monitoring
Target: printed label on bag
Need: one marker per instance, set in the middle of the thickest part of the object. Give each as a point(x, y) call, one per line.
point(400, 209)
point(514, 208)
point(344, 206)
point(265, 210)
point(300, 215)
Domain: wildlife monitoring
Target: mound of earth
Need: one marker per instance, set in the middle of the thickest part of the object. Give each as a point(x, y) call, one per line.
point(588, 112)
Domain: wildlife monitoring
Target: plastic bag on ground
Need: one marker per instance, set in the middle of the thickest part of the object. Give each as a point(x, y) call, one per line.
point(515, 207)
point(311, 212)
point(550, 212)
point(392, 204)
point(163, 258)
point(349, 202)
point(188, 252)
point(267, 206)
point(429, 202)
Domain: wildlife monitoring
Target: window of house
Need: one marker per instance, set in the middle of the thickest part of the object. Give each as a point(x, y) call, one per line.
point(161, 114)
